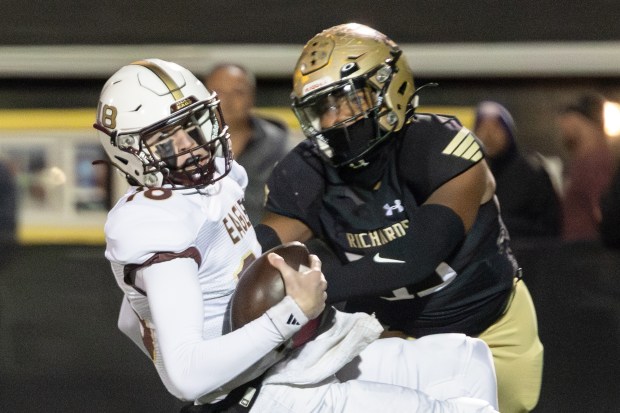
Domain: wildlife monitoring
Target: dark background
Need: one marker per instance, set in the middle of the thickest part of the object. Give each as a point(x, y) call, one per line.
point(290, 21)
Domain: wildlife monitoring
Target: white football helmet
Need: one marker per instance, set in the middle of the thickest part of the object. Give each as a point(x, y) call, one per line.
point(159, 125)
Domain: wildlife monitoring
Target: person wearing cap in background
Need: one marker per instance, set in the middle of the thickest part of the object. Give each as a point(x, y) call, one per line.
point(589, 169)
point(529, 202)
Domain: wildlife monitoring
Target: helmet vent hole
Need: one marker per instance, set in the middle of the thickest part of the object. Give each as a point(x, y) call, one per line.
point(402, 88)
point(122, 160)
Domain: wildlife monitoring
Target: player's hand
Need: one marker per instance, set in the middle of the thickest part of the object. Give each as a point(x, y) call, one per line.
point(307, 286)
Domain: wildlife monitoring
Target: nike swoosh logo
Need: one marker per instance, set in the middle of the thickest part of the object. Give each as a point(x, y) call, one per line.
point(380, 260)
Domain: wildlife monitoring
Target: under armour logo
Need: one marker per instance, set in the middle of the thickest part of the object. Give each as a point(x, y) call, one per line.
point(389, 209)
point(292, 320)
point(359, 164)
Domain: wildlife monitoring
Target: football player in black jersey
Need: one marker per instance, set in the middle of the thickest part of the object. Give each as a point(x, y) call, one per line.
point(403, 205)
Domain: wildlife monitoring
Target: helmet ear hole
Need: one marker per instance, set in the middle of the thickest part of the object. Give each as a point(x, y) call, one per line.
point(348, 69)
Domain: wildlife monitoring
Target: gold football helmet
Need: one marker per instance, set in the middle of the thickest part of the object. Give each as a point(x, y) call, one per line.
point(352, 88)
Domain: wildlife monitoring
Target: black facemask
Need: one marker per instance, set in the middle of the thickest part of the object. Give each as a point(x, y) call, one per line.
point(350, 142)
point(370, 169)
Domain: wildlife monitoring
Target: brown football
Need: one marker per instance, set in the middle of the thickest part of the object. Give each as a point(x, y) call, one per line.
point(261, 286)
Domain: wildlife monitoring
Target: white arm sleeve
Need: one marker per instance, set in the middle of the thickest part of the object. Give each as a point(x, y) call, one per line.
point(196, 366)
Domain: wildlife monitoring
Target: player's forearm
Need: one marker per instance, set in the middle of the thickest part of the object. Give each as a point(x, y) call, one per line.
point(194, 365)
point(434, 233)
point(199, 367)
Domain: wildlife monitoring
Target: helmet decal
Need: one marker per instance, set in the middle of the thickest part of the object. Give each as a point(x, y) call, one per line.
point(317, 84)
point(174, 89)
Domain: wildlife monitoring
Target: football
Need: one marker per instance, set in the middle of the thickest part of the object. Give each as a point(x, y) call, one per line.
point(261, 285)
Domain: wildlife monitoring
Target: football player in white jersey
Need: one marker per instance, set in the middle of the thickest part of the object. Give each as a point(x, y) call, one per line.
point(177, 241)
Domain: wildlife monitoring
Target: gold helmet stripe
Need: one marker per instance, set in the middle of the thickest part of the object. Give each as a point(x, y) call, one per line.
point(172, 86)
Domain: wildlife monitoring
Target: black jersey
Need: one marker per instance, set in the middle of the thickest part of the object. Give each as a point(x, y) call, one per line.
point(468, 290)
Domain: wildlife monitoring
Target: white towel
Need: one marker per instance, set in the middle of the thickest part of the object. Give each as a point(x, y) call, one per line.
point(345, 336)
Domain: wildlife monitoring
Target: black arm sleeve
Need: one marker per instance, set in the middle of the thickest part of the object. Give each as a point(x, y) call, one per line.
point(267, 237)
point(434, 234)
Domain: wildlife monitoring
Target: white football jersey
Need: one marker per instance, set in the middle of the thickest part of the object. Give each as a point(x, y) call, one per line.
point(214, 221)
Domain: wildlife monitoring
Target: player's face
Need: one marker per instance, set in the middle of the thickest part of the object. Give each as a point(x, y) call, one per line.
point(335, 109)
point(179, 146)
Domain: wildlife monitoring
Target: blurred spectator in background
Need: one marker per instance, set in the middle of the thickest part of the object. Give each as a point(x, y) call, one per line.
point(589, 169)
point(8, 213)
point(610, 214)
point(257, 143)
point(528, 200)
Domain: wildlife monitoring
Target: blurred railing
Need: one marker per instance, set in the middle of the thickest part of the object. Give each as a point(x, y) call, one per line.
point(514, 59)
